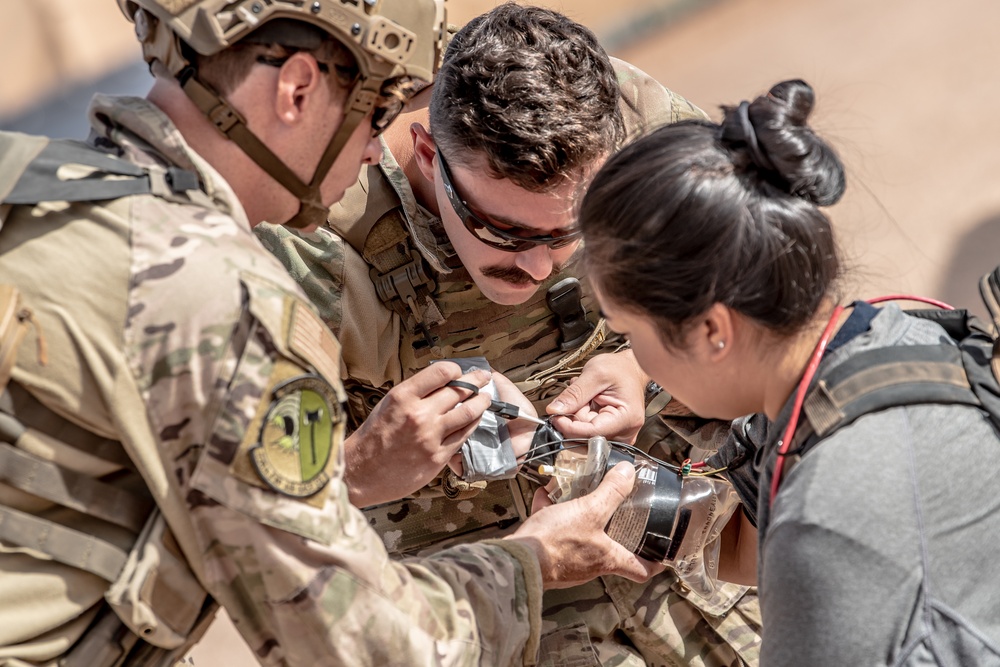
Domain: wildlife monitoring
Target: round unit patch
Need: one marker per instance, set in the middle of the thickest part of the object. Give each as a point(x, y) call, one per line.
point(296, 444)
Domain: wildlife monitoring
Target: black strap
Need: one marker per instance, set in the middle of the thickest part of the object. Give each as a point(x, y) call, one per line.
point(883, 378)
point(41, 180)
point(565, 300)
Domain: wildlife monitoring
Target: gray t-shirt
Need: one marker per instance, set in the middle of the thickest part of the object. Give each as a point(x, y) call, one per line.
point(882, 545)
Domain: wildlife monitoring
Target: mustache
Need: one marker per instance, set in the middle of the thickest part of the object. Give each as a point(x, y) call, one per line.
point(516, 276)
point(510, 274)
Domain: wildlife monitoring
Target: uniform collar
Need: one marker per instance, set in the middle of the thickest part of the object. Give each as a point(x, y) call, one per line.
point(148, 137)
point(425, 228)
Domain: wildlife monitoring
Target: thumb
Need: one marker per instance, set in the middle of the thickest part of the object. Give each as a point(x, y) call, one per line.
point(614, 489)
point(572, 398)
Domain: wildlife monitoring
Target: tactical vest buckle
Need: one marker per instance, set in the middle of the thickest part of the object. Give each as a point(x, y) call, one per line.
point(565, 301)
point(401, 284)
point(224, 117)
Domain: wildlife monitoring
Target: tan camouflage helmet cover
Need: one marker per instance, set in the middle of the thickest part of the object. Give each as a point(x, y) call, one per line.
point(389, 38)
point(393, 41)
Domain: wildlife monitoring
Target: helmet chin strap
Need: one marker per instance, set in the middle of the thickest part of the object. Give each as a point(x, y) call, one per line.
point(312, 210)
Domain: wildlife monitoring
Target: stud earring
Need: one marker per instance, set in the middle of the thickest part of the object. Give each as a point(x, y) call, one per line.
point(721, 344)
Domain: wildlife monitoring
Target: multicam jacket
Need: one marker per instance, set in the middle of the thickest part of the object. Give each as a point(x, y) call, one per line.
point(175, 365)
point(337, 266)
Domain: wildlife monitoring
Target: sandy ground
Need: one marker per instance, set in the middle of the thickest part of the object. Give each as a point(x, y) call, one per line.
point(907, 91)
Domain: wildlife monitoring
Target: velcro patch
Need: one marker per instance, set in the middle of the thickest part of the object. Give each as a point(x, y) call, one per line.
point(297, 447)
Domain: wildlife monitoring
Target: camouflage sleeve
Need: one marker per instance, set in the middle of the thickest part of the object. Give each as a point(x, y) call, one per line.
point(316, 261)
point(242, 392)
point(646, 104)
point(335, 278)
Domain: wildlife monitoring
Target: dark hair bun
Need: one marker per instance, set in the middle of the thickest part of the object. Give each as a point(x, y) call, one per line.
point(782, 148)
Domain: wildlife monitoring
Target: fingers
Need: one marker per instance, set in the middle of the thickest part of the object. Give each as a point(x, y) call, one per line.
point(541, 500)
point(628, 565)
point(580, 426)
point(437, 375)
point(455, 463)
point(461, 419)
point(508, 392)
point(454, 406)
point(613, 490)
point(573, 398)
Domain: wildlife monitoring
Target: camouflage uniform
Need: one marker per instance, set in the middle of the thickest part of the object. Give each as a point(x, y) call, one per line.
point(610, 621)
point(140, 389)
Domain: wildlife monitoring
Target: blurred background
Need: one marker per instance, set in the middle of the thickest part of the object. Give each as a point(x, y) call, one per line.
point(908, 92)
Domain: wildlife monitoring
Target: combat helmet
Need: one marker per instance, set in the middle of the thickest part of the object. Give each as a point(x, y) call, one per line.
point(396, 43)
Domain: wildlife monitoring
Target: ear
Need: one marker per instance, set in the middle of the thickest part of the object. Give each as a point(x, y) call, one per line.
point(300, 85)
point(715, 335)
point(424, 151)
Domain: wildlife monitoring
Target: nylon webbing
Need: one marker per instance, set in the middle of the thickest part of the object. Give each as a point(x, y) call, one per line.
point(989, 289)
point(71, 489)
point(231, 123)
point(400, 274)
point(877, 380)
point(62, 544)
point(42, 180)
point(886, 377)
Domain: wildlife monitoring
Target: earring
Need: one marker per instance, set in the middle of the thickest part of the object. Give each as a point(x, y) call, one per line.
point(721, 344)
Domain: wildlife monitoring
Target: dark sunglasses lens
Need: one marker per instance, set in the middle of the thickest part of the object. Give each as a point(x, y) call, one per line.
point(496, 238)
point(487, 236)
point(563, 241)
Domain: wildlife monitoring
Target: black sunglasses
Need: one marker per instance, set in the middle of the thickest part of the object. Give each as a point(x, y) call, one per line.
point(490, 234)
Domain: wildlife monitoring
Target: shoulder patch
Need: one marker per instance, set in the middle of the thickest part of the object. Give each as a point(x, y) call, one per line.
point(296, 451)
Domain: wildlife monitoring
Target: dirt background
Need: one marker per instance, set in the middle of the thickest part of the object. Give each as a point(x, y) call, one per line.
point(907, 92)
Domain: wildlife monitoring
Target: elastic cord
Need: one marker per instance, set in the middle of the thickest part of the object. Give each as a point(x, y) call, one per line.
point(811, 369)
point(908, 297)
point(800, 396)
point(750, 137)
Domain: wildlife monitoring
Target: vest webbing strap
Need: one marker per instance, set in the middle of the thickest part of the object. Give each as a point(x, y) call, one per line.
point(62, 544)
point(879, 379)
point(74, 490)
point(989, 289)
point(400, 274)
point(42, 180)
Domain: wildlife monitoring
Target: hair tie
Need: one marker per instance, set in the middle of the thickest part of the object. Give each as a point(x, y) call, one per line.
point(750, 137)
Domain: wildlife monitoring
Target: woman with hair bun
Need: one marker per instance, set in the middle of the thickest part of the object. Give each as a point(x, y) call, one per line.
point(707, 247)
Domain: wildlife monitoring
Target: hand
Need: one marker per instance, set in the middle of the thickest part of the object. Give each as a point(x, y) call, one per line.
point(412, 433)
point(607, 399)
point(569, 537)
point(521, 431)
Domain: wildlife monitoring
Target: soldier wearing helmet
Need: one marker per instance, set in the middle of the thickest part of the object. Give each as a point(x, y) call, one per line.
point(460, 243)
point(172, 420)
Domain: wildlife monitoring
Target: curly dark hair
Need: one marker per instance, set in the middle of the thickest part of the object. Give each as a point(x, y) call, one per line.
point(532, 91)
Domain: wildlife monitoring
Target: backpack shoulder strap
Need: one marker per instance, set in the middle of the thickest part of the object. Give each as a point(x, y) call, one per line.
point(967, 373)
point(17, 151)
point(37, 169)
point(989, 289)
point(877, 380)
point(887, 377)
